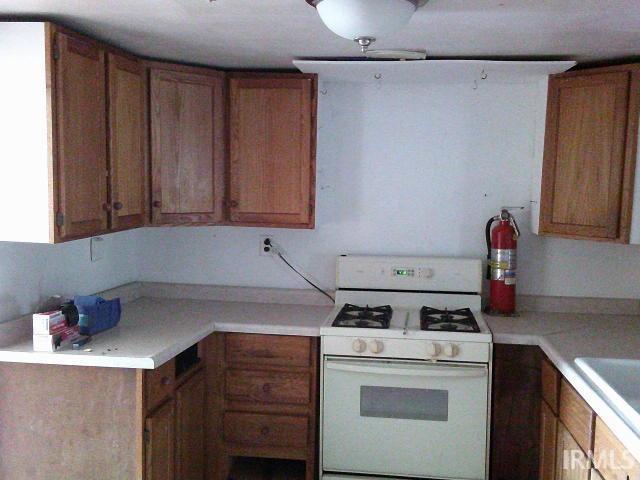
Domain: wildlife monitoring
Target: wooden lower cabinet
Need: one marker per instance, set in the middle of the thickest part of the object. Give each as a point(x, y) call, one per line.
point(160, 443)
point(190, 439)
point(611, 458)
point(175, 431)
point(548, 445)
point(264, 399)
point(572, 462)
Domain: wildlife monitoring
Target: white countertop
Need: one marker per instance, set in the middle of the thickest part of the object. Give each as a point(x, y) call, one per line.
point(564, 337)
point(152, 331)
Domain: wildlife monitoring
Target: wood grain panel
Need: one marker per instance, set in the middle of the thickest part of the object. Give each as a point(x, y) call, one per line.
point(548, 437)
point(515, 416)
point(187, 146)
point(159, 384)
point(273, 350)
point(190, 425)
point(571, 461)
point(272, 145)
point(67, 422)
point(257, 386)
point(611, 458)
point(265, 430)
point(160, 446)
point(550, 385)
point(577, 416)
point(587, 159)
point(81, 137)
point(126, 87)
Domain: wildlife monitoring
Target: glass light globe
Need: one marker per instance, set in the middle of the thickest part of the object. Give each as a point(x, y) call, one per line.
point(354, 19)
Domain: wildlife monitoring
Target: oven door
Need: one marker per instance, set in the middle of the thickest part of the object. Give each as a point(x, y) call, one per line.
point(404, 418)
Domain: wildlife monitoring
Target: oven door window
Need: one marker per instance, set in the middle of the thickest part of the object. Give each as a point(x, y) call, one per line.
point(406, 403)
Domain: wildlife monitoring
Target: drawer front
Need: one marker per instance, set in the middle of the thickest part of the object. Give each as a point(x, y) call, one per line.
point(268, 387)
point(577, 416)
point(274, 350)
point(159, 384)
point(550, 385)
point(258, 430)
point(611, 458)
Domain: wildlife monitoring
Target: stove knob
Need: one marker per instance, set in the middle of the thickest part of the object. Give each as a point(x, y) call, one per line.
point(359, 345)
point(450, 350)
point(376, 346)
point(433, 349)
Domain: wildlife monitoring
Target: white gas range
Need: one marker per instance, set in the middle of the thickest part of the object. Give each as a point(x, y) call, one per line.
point(406, 371)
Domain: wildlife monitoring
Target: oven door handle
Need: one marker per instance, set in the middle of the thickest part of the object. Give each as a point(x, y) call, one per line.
point(442, 372)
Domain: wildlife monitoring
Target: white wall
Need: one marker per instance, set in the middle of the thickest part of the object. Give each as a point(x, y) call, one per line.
point(406, 171)
point(30, 272)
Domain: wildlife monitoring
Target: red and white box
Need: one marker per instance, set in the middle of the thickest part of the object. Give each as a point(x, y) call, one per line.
point(48, 323)
point(51, 343)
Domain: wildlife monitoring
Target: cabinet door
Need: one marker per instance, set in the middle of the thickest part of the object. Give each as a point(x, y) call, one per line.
point(190, 405)
point(272, 150)
point(589, 156)
point(571, 462)
point(159, 451)
point(126, 142)
point(81, 134)
point(548, 435)
point(187, 146)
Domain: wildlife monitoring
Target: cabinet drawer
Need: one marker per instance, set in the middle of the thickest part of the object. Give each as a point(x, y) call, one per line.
point(267, 387)
point(159, 384)
point(611, 458)
point(550, 385)
point(576, 415)
point(265, 430)
point(275, 350)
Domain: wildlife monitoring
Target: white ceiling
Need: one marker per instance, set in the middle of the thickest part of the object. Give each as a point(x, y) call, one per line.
point(270, 33)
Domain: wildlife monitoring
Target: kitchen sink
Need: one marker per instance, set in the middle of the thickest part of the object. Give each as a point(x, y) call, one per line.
point(619, 381)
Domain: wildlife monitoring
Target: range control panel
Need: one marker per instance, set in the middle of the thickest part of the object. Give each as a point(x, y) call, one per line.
point(410, 273)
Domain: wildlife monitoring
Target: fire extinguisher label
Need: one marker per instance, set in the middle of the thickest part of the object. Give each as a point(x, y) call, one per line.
point(503, 265)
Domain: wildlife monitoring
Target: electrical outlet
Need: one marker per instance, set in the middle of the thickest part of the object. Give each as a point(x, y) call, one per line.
point(265, 246)
point(97, 246)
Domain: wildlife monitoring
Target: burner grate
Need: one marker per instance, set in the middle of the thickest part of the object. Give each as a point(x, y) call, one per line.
point(363, 317)
point(460, 320)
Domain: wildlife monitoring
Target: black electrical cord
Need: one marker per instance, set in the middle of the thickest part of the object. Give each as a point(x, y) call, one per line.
point(305, 278)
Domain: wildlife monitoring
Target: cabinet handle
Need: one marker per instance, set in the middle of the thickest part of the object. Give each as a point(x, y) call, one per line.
point(118, 206)
point(264, 430)
point(157, 204)
point(106, 207)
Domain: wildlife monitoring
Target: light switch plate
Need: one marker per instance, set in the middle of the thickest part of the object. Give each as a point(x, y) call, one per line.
point(97, 246)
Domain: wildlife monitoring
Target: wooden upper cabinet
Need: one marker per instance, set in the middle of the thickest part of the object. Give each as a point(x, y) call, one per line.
point(589, 155)
point(272, 125)
point(81, 134)
point(126, 87)
point(187, 145)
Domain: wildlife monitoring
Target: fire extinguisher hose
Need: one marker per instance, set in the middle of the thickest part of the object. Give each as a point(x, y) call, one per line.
point(487, 232)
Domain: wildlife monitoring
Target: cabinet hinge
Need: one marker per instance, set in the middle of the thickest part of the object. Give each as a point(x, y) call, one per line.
point(56, 50)
point(59, 219)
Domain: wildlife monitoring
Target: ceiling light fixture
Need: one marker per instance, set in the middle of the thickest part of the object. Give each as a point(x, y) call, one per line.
point(363, 21)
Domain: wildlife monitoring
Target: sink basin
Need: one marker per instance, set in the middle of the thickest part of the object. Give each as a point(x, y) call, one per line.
point(619, 381)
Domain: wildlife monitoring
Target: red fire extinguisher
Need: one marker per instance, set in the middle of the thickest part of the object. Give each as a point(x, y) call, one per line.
point(502, 243)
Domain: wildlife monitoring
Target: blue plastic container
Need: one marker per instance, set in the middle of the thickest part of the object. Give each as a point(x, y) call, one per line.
point(97, 314)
